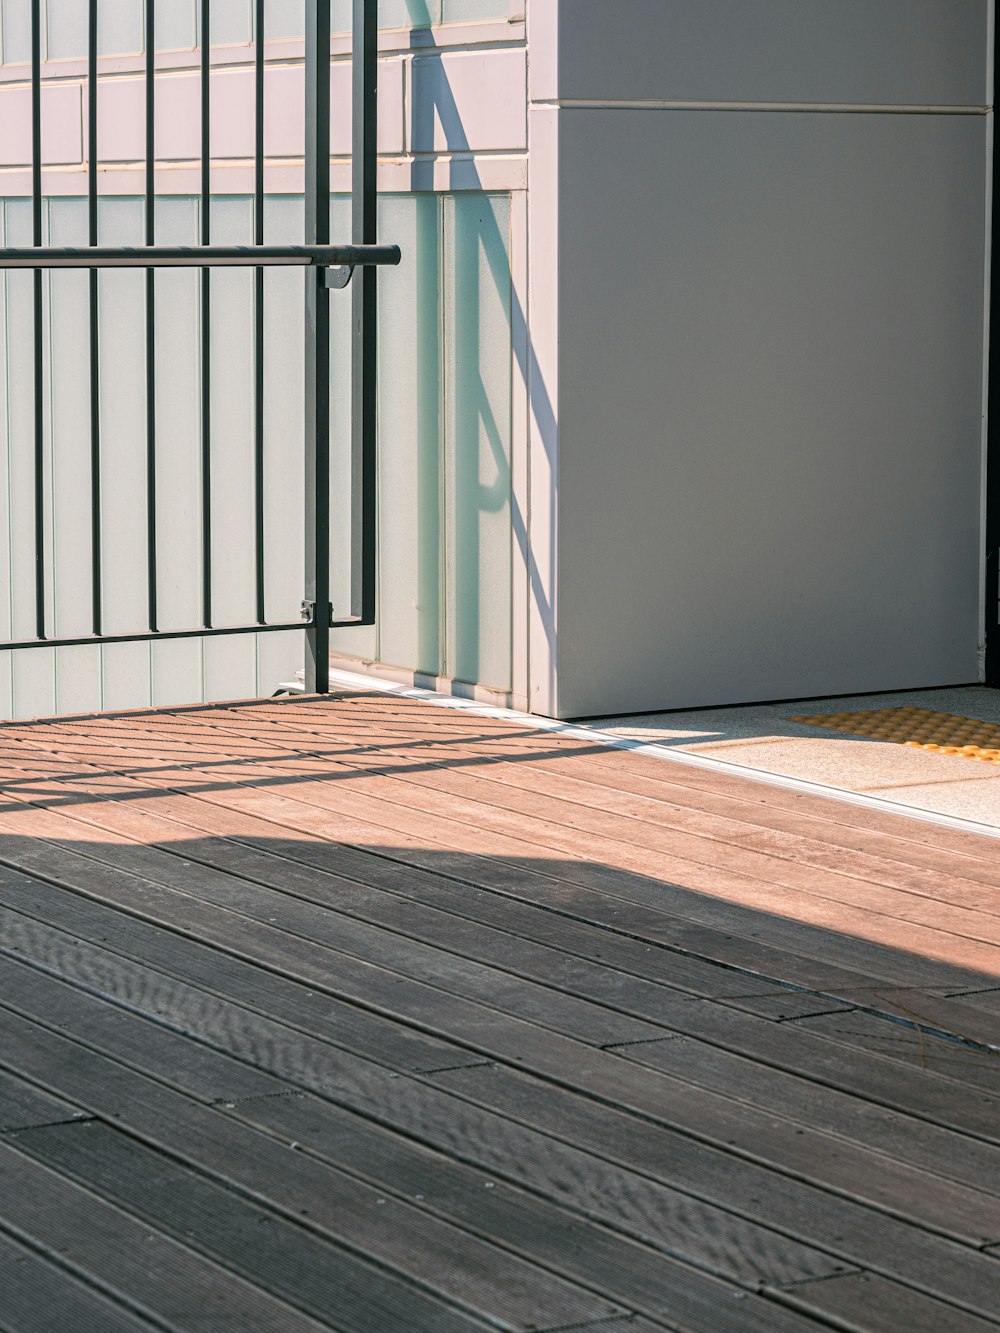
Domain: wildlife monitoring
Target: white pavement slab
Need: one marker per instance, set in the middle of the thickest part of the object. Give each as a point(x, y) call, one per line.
point(763, 739)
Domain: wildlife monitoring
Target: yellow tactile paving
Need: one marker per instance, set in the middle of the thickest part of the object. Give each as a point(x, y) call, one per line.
point(918, 728)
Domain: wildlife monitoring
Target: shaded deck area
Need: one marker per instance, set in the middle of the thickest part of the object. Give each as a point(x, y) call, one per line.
point(370, 1015)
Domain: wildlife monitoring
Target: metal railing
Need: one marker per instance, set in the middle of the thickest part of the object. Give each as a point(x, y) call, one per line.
point(333, 267)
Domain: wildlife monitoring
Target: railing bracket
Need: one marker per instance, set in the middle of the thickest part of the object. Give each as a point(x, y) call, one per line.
point(336, 279)
point(308, 613)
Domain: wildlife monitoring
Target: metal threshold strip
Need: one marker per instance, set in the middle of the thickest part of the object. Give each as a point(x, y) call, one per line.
point(200, 256)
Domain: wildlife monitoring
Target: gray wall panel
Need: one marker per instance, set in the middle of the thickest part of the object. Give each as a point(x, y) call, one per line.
point(881, 52)
point(769, 404)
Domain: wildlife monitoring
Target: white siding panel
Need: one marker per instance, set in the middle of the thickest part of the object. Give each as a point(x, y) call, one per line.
point(469, 99)
point(62, 136)
point(770, 419)
point(279, 656)
point(123, 471)
point(884, 52)
point(79, 675)
point(177, 666)
point(410, 499)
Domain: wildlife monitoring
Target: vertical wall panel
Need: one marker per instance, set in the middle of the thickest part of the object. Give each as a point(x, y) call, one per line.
point(362, 642)
point(229, 662)
point(409, 436)
point(33, 671)
point(284, 18)
point(119, 26)
point(477, 438)
point(79, 677)
point(65, 28)
point(123, 428)
point(789, 455)
point(177, 666)
point(391, 14)
point(231, 21)
point(16, 31)
point(175, 25)
point(279, 656)
point(120, 23)
point(470, 11)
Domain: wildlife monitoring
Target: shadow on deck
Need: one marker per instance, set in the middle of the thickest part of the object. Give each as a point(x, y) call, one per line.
point(362, 1014)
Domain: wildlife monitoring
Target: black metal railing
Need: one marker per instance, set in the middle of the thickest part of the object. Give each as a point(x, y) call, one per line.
point(333, 267)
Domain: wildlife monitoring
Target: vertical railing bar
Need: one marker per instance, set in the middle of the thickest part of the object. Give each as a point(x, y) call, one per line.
point(96, 592)
point(150, 239)
point(364, 403)
point(317, 348)
point(37, 330)
point(258, 237)
point(206, 321)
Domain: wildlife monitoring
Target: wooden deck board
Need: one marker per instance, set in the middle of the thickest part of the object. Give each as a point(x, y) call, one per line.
point(716, 899)
point(40, 1295)
point(482, 1025)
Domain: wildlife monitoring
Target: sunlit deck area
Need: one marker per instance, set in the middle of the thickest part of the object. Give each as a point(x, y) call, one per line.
point(366, 1014)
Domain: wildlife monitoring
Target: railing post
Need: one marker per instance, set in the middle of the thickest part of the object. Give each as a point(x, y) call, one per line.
point(317, 330)
point(364, 391)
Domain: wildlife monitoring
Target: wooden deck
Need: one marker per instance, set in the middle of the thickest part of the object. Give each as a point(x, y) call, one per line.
point(366, 1014)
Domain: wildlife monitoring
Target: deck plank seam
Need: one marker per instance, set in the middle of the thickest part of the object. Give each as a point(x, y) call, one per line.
point(604, 892)
point(451, 1069)
point(531, 760)
point(816, 1013)
point(608, 1222)
point(644, 1041)
point(701, 958)
point(612, 1321)
point(288, 1215)
point(9, 1131)
point(93, 1281)
point(390, 774)
point(635, 1111)
point(231, 1103)
point(694, 778)
point(590, 1095)
point(752, 1158)
point(667, 1036)
point(501, 761)
point(989, 1247)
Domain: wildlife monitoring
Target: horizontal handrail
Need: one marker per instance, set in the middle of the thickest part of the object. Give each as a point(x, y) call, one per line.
point(153, 636)
point(199, 256)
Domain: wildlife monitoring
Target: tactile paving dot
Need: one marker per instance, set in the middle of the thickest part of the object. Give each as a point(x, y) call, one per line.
point(918, 728)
